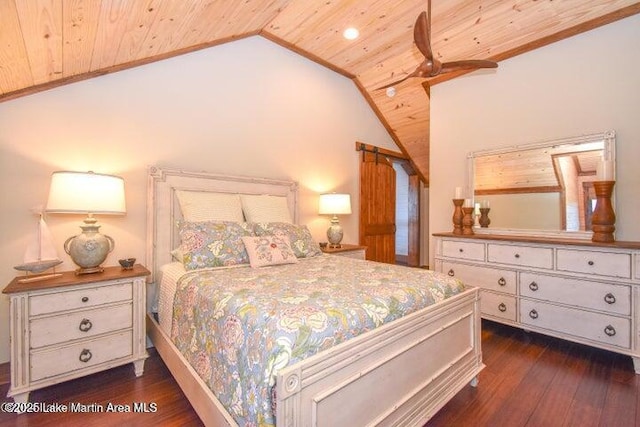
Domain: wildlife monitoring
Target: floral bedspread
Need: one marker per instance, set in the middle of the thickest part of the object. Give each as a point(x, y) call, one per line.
point(237, 327)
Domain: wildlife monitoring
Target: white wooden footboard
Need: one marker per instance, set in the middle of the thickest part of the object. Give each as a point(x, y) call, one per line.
point(399, 374)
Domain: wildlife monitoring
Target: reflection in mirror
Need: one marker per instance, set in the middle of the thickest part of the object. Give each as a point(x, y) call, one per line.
point(542, 186)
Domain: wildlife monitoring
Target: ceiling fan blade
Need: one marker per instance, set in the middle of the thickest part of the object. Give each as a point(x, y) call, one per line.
point(395, 83)
point(422, 35)
point(469, 64)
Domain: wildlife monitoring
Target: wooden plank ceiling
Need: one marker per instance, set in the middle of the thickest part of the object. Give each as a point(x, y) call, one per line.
point(46, 43)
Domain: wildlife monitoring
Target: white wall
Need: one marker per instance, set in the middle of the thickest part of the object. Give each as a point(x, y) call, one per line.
point(248, 107)
point(588, 83)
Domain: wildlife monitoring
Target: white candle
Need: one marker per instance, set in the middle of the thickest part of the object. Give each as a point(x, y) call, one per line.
point(604, 170)
point(467, 203)
point(485, 203)
point(476, 209)
point(458, 193)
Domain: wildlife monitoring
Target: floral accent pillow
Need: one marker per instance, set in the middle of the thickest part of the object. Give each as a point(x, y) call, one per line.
point(213, 244)
point(269, 250)
point(300, 237)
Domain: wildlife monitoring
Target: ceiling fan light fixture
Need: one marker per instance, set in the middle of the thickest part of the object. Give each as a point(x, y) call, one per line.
point(351, 33)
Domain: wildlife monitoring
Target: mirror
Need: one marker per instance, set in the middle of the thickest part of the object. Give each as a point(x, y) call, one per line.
point(543, 186)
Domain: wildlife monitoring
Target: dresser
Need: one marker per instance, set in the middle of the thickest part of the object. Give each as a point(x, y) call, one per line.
point(346, 250)
point(71, 326)
point(572, 289)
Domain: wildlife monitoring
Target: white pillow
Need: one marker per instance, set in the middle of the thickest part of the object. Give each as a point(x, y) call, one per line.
point(266, 208)
point(199, 206)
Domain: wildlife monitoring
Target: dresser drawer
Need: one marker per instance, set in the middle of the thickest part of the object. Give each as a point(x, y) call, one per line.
point(526, 256)
point(463, 250)
point(607, 297)
point(598, 327)
point(594, 262)
point(80, 298)
point(80, 324)
point(498, 305)
point(483, 277)
point(60, 360)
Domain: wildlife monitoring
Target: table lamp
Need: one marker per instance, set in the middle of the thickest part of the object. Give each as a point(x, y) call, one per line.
point(87, 193)
point(335, 204)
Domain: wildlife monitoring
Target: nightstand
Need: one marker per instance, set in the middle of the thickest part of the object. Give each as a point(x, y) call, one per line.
point(349, 251)
point(71, 326)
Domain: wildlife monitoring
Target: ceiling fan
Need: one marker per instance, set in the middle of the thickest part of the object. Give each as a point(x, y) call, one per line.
point(431, 67)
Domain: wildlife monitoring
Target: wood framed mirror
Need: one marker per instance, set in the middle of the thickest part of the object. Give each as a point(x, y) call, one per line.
point(542, 188)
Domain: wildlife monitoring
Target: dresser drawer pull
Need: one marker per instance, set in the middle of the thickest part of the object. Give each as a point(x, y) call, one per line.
point(533, 286)
point(85, 299)
point(517, 255)
point(461, 250)
point(502, 307)
point(85, 355)
point(85, 325)
point(610, 330)
point(609, 298)
point(533, 314)
point(451, 273)
point(502, 282)
point(590, 262)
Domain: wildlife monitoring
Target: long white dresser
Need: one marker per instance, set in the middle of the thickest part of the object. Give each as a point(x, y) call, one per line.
point(572, 289)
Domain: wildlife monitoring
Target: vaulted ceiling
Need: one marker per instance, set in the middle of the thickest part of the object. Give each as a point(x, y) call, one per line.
point(47, 43)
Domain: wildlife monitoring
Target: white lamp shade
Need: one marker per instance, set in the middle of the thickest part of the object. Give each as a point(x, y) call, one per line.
point(86, 192)
point(335, 204)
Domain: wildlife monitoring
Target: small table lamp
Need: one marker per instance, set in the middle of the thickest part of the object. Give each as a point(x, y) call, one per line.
point(335, 204)
point(90, 193)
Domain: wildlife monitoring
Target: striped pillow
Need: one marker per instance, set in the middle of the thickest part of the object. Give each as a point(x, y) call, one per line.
point(199, 206)
point(265, 208)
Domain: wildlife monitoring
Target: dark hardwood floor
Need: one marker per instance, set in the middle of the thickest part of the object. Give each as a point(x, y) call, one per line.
point(530, 380)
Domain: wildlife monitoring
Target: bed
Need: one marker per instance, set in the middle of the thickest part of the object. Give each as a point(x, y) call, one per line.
point(399, 373)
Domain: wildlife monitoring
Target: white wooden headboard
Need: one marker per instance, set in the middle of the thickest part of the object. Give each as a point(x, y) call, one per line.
point(163, 210)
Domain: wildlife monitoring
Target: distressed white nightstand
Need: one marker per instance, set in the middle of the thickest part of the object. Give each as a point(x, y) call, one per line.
point(72, 326)
point(349, 251)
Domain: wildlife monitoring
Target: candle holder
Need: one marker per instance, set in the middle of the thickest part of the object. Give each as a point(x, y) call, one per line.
point(484, 217)
point(604, 218)
point(467, 221)
point(457, 216)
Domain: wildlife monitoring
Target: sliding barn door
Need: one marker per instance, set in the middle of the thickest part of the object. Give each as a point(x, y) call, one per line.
point(378, 208)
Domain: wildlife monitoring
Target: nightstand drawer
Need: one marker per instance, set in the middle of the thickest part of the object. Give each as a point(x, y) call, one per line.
point(60, 360)
point(81, 298)
point(57, 329)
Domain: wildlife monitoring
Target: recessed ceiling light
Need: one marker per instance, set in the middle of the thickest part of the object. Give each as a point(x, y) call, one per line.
point(391, 92)
point(351, 33)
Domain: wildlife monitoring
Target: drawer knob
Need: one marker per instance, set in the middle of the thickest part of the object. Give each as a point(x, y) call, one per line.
point(85, 299)
point(461, 250)
point(85, 355)
point(609, 298)
point(610, 330)
point(590, 262)
point(517, 255)
point(502, 307)
point(533, 314)
point(451, 273)
point(85, 325)
point(502, 282)
point(533, 286)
